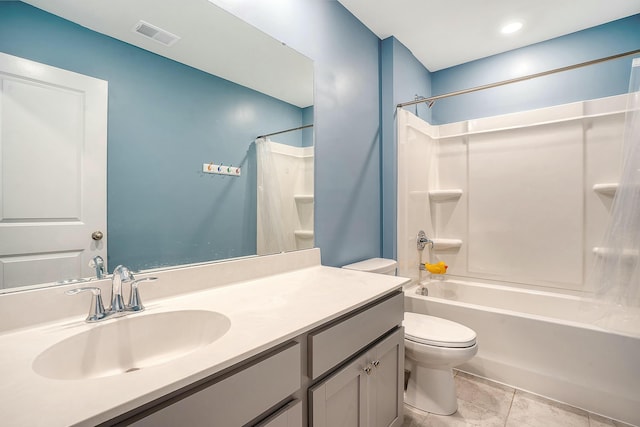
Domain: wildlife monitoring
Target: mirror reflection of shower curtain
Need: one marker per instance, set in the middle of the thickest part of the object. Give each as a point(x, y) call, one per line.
point(272, 236)
point(615, 275)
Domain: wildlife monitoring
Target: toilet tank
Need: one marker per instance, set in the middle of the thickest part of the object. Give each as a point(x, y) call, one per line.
point(375, 265)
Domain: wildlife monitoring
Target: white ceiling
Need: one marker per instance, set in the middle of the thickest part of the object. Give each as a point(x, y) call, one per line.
point(444, 33)
point(212, 40)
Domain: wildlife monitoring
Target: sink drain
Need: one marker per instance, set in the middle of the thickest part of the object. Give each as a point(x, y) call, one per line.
point(131, 370)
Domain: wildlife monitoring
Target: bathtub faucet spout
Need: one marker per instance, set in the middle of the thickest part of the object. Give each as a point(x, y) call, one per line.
point(422, 290)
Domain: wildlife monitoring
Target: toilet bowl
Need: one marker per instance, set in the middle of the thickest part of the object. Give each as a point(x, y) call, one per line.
point(433, 347)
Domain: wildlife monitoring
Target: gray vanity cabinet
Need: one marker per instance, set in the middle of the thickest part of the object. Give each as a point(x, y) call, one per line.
point(347, 372)
point(367, 392)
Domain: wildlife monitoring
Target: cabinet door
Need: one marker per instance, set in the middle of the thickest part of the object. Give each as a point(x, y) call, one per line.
point(342, 399)
point(386, 391)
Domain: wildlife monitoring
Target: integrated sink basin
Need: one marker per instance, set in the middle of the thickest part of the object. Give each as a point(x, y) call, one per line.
point(131, 343)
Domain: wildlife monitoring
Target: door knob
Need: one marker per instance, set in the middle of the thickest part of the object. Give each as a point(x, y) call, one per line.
point(97, 235)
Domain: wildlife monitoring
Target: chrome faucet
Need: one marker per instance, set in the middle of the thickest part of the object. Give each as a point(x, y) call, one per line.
point(98, 263)
point(121, 275)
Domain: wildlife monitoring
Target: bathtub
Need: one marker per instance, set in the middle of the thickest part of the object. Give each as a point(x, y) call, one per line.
point(531, 340)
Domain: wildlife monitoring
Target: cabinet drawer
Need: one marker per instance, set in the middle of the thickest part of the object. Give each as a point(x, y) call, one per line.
point(336, 343)
point(237, 398)
point(289, 416)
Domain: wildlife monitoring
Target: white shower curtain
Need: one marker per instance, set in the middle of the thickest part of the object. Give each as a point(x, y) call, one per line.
point(615, 275)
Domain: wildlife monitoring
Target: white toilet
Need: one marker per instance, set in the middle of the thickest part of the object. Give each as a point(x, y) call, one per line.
point(433, 347)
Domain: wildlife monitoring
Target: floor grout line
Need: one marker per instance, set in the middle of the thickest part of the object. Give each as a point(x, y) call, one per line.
point(513, 396)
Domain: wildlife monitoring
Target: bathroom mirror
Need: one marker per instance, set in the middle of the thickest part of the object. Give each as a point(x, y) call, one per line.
point(189, 85)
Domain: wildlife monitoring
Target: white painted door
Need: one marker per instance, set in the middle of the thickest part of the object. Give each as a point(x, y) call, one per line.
point(53, 147)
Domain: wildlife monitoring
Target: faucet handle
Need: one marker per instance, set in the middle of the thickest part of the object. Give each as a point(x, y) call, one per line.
point(135, 304)
point(422, 241)
point(96, 310)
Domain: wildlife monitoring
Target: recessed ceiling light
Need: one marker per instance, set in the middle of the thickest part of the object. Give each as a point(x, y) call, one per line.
point(511, 28)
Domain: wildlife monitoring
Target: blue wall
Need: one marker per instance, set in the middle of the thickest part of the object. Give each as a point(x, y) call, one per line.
point(402, 77)
point(165, 121)
point(596, 81)
point(347, 118)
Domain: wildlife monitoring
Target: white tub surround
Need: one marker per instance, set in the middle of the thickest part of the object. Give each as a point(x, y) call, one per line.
point(266, 302)
point(521, 198)
point(534, 340)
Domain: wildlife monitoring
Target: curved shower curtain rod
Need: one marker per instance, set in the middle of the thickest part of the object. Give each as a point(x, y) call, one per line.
point(433, 99)
point(285, 131)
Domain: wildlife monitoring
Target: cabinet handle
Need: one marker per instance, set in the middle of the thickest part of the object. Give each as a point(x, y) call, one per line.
point(376, 363)
point(367, 369)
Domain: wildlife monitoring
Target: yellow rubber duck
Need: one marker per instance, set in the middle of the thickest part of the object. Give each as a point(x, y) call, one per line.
point(437, 268)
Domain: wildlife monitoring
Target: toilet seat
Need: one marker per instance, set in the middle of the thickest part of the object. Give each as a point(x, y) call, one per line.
point(429, 330)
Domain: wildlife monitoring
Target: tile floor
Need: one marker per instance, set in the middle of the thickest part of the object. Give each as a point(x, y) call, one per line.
point(488, 404)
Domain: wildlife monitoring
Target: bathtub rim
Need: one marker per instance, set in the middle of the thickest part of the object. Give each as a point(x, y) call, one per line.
point(410, 292)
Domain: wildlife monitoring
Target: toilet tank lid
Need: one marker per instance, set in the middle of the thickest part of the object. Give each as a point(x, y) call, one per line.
point(373, 265)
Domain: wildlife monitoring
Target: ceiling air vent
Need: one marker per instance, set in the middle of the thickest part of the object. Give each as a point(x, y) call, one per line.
point(155, 33)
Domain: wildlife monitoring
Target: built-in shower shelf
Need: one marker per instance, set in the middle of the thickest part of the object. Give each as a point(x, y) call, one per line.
point(444, 195)
point(609, 252)
point(303, 234)
point(303, 198)
point(607, 189)
point(444, 244)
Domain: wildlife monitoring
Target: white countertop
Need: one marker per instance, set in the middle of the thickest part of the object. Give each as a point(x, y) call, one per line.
point(264, 312)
